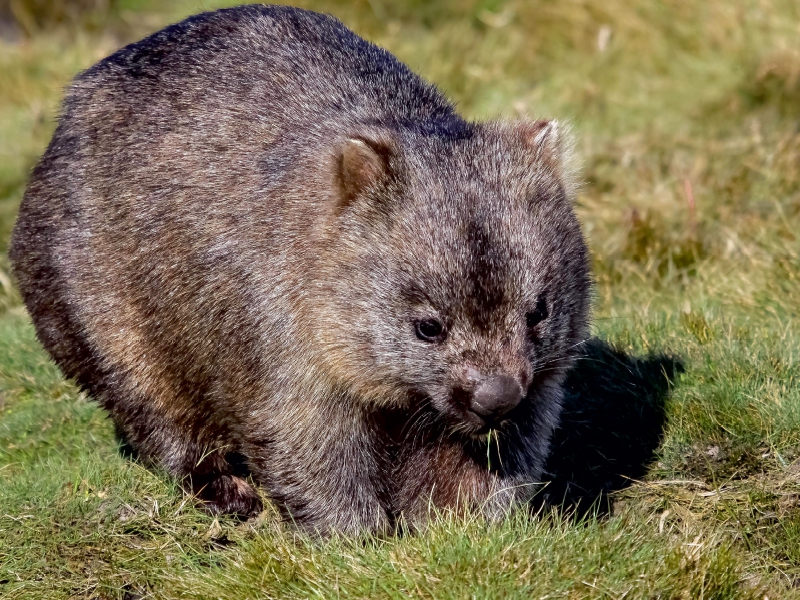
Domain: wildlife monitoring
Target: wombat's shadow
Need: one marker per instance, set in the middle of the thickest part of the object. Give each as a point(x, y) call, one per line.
point(612, 424)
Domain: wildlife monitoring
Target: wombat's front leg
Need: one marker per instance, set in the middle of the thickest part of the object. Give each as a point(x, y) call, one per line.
point(324, 469)
point(444, 476)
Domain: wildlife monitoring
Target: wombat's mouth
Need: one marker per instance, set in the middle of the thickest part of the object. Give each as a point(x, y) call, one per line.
point(476, 427)
point(487, 428)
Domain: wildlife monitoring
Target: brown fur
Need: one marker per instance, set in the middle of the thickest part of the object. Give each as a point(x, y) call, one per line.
point(239, 235)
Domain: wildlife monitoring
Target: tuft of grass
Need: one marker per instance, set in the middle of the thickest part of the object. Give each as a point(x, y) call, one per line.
point(522, 557)
point(686, 113)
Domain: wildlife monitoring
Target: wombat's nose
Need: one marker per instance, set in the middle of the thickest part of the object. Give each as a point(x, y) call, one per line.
point(495, 396)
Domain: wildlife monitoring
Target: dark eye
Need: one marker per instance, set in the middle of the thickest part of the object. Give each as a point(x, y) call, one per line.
point(539, 314)
point(430, 330)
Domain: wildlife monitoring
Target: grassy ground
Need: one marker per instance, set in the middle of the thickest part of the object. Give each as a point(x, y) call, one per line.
point(687, 114)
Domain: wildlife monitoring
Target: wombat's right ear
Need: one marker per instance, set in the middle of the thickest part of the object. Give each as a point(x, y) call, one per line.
point(363, 164)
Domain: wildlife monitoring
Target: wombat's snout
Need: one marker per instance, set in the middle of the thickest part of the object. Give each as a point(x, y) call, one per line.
point(494, 397)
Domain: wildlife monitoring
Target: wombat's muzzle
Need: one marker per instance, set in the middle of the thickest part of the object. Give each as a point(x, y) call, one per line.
point(494, 397)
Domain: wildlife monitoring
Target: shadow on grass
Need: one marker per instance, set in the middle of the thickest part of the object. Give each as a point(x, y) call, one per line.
point(613, 421)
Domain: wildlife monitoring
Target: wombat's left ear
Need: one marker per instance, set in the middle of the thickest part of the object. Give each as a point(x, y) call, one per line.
point(548, 143)
point(364, 163)
point(547, 154)
point(543, 137)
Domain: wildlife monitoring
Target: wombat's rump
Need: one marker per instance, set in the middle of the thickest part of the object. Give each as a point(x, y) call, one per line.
point(276, 255)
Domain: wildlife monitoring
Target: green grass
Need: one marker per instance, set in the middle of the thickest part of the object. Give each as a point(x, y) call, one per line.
point(687, 115)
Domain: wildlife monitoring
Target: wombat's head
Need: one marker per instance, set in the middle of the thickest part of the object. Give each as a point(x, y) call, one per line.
point(456, 270)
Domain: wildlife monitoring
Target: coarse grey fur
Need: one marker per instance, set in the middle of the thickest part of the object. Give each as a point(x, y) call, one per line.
point(276, 255)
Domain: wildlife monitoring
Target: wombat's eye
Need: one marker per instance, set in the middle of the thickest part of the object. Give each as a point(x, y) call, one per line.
point(430, 330)
point(539, 314)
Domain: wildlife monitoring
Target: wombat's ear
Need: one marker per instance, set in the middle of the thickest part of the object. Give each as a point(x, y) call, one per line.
point(549, 144)
point(363, 163)
point(544, 138)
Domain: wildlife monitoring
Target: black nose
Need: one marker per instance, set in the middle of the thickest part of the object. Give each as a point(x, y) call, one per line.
point(495, 396)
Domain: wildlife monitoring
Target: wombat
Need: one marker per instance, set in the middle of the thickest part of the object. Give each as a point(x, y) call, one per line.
point(279, 258)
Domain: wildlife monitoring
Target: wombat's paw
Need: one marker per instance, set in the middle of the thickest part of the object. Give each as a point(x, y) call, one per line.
point(228, 494)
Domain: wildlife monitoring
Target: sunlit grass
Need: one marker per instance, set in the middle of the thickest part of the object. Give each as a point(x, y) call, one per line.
point(687, 116)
